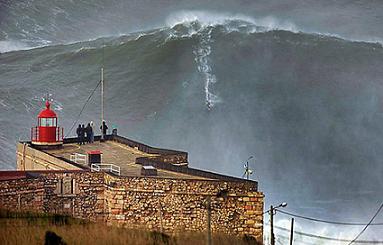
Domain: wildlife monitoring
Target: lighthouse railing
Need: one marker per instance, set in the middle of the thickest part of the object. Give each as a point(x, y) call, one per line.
point(59, 134)
point(35, 134)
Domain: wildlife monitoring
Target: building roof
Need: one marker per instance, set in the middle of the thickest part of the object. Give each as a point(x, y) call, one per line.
point(10, 175)
point(114, 153)
point(130, 157)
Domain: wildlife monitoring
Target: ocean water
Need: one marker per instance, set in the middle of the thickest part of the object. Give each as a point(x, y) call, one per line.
point(307, 106)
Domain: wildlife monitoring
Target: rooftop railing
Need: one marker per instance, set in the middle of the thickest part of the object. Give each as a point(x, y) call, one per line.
point(111, 168)
point(78, 158)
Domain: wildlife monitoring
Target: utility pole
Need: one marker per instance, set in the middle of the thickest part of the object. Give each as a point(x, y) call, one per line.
point(271, 212)
point(208, 207)
point(272, 238)
point(102, 104)
point(292, 231)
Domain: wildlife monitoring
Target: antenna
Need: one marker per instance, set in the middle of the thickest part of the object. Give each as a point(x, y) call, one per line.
point(248, 171)
point(102, 94)
point(102, 103)
point(48, 97)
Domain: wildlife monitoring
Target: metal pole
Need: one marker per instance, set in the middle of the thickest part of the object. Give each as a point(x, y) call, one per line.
point(247, 169)
point(272, 238)
point(208, 204)
point(292, 231)
point(102, 103)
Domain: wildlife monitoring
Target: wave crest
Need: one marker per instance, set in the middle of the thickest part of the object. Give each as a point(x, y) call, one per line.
point(232, 22)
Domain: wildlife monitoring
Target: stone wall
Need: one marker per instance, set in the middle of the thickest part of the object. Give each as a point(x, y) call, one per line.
point(22, 194)
point(168, 205)
point(75, 193)
point(171, 205)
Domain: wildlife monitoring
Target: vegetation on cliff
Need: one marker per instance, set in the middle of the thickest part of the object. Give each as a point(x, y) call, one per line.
point(32, 228)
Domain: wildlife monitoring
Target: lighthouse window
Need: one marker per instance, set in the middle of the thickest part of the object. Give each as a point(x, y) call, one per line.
point(43, 122)
point(48, 122)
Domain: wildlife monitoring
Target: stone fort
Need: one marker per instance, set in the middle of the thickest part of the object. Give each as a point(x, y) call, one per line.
point(126, 183)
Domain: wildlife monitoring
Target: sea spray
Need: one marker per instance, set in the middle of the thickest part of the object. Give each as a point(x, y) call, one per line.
point(202, 52)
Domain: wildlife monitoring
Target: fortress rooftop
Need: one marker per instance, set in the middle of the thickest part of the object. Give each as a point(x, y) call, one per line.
point(129, 157)
point(117, 154)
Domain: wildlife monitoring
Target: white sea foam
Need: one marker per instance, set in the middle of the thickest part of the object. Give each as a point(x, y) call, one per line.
point(27, 107)
point(202, 52)
point(206, 18)
point(251, 24)
point(57, 105)
point(13, 45)
point(3, 104)
point(199, 23)
point(187, 18)
point(85, 48)
point(7, 46)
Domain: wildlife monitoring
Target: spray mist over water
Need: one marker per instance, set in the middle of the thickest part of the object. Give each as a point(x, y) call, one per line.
point(202, 23)
point(209, 18)
point(202, 53)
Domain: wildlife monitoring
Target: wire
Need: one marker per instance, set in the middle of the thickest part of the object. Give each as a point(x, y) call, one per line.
point(369, 223)
point(287, 238)
point(324, 221)
point(82, 109)
point(328, 238)
point(279, 241)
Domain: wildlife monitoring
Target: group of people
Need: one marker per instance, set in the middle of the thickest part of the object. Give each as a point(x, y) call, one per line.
point(86, 134)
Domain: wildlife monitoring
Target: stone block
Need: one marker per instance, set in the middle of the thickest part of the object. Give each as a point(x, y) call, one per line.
point(250, 222)
point(248, 207)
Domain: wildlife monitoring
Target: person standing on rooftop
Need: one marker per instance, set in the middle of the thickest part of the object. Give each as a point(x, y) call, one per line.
point(78, 132)
point(91, 132)
point(88, 131)
point(104, 128)
point(82, 135)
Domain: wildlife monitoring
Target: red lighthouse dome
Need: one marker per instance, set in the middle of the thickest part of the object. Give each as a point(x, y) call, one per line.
point(47, 112)
point(47, 133)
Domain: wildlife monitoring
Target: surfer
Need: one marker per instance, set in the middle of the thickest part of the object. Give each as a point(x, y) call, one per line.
point(209, 105)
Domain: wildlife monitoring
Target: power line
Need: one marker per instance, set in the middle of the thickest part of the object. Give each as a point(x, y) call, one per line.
point(300, 241)
point(324, 221)
point(328, 238)
point(279, 242)
point(82, 109)
point(369, 223)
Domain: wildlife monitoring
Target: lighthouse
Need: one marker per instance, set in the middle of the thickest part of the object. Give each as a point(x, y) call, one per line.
point(47, 133)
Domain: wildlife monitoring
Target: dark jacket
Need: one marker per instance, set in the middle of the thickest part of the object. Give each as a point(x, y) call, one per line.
point(89, 130)
point(82, 131)
point(104, 129)
point(78, 130)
